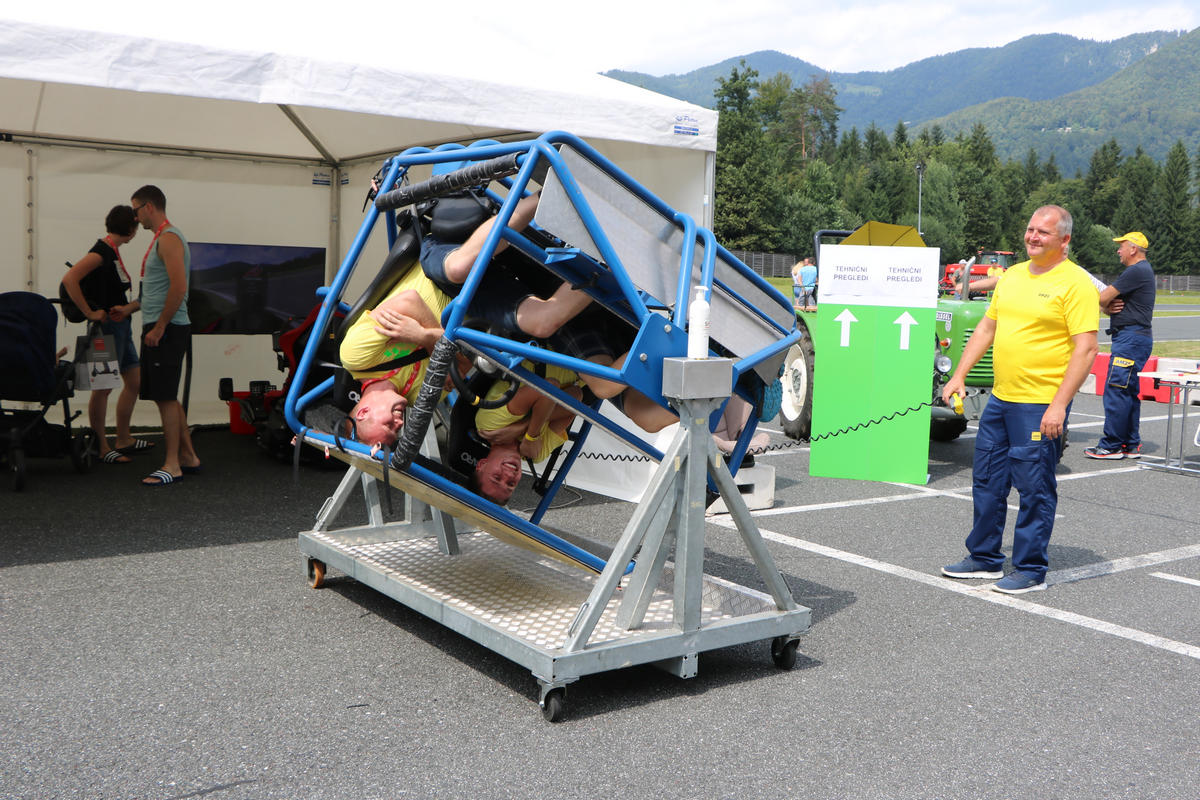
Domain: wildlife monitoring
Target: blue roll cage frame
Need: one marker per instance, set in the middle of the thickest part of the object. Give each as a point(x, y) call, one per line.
point(657, 334)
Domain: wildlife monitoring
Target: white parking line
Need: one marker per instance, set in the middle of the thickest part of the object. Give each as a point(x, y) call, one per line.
point(981, 593)
point(1178, 578)
point(1122, 564)
point(919, 492)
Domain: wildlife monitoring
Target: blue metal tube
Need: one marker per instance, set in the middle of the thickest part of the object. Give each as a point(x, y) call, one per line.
point(328, 304)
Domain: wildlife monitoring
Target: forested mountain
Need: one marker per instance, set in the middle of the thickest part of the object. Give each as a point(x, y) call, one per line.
point(964, 147)
point(974, 81)
point(1151, 104)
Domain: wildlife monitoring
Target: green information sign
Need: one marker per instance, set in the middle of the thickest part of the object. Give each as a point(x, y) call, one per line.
point(875, 323)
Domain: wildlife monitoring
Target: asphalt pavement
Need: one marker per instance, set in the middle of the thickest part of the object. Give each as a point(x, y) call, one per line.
point(1185, 327)
point(163, 644)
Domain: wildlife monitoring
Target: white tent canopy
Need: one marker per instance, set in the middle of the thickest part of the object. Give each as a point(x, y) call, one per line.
point(266, 148)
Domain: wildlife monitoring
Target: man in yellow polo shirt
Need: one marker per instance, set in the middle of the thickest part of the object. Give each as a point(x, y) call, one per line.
point(408, 319)
point(1041, 324)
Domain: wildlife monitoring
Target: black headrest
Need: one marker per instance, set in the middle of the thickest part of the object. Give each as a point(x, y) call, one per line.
point(453, 219)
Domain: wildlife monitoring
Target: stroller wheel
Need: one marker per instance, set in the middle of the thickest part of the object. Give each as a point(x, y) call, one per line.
point(81, 449)
point(16, 465)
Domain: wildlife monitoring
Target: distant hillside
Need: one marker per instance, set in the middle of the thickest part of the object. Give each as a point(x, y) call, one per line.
point(698, 85)
point(1150, 104)
point(1035, 68)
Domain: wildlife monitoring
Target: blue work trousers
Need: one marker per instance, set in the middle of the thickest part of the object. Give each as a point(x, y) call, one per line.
point(1010, 451)
point(1122, 406)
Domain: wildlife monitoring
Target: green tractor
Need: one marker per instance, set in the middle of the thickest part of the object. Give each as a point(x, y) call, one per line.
point(956, 318)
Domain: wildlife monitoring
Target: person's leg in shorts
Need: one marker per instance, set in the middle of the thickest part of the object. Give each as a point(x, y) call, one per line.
point(592, 337)
point(98, 400)
point(162, 367)
point(131, 377)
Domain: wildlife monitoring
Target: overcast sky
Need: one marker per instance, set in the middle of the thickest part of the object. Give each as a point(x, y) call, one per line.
point(655, 36)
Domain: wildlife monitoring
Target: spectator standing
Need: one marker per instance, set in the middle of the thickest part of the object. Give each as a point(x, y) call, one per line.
point(98, 284)
point(166, 332)
point(1042, 320)
point(1132, 341)
point(808, 285)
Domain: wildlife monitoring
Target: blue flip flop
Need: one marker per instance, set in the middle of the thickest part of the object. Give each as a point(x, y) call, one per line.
point(161, 478)
point(138, 446)
point(196, 470)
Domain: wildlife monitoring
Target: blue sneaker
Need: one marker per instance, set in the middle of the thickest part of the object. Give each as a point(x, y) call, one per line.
point(970, 568)
point(1132, 450)
point(1019, 583)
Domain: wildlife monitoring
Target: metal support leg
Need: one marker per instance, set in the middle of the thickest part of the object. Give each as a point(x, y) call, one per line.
point(749, 531)
point(333, 504)
point(659, 539)
point(371, 498)
point(593, 608)
point(689, 548)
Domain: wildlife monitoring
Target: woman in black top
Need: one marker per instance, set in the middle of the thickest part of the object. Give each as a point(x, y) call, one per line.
point(99, 284)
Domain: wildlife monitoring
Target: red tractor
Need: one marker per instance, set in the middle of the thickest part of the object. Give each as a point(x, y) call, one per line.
point(982, 265)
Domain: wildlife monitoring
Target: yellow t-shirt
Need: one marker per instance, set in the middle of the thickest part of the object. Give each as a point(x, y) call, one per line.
point(364, 347)
point(493, 419)
point(1036, 316)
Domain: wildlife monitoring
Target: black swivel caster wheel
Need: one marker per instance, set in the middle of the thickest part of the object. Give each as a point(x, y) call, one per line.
point(783, 652)
point(554, 705)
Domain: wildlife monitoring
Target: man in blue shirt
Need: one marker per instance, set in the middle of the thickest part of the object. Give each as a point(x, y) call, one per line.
point(1132, 341)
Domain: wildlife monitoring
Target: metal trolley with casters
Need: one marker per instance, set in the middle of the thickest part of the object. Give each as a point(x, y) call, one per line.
point(552, 606)
point(506, 581)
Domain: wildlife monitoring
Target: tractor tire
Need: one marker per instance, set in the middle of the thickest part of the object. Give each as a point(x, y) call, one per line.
point(795, 413)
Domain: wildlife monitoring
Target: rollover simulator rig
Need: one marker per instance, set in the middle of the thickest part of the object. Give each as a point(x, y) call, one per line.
point(560, 607)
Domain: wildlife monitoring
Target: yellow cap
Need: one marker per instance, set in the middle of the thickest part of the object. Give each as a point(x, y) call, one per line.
point(1134, 237)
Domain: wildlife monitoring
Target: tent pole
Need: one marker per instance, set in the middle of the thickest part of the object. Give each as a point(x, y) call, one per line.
point(333, 256)
point(30, 219)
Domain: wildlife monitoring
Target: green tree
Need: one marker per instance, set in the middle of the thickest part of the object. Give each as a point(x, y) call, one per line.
point(1051, 170)
point(812, 206)
point(1138, 180)
point(1033, 174)
point(802, 120)
point(1102, 182)
point(1172, 214)
point(876, 143)
point(981, 151)
point(983, 216)
point(747, 211)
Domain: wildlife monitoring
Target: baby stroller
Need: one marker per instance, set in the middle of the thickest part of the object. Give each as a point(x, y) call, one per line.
point(31, 377)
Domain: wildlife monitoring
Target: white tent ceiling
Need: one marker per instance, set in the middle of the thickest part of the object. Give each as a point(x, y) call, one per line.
point(254, 147)
point(64, 85)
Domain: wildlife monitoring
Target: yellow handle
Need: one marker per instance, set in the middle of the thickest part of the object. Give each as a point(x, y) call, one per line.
point(958, 405)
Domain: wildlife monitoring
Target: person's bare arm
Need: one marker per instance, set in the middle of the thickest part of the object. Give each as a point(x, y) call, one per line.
point(170, 250)
point(458, 263)
point(78, 271)
point(977, 345)
point(404, 317)
point(1110, 300)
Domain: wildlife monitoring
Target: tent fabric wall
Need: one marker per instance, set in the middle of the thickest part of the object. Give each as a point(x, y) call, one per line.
point(236, 138)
